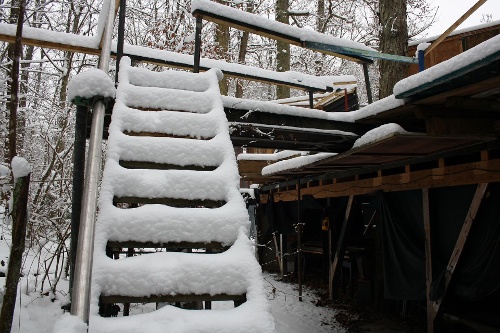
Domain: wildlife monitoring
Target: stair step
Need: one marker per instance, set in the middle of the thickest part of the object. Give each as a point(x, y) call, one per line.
point(164, 135)
point(107, 299)
point(212, 246)
point(164, 166)
point(173, 202)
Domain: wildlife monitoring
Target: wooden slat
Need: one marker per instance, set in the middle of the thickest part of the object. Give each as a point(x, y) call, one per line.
point(163, 166)
point(174, 202)
point(461, 240)
point(454, 25)
point(107, 299)
point(464, 174)
point(164, 135)
point(339, 253)
point(214, 246)
point(428, 260)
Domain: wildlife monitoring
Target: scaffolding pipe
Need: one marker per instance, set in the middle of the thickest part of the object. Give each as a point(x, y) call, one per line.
point(80, 302)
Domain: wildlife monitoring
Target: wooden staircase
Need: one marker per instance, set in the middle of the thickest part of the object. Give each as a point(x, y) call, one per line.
point(171, 182)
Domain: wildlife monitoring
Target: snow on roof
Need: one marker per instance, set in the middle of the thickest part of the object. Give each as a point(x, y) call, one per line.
point(270, 157)
point(454, 67)
point(303, 34)
point(92, 82)
point(353, 116)
point(456, 32)
point(294, 163)
point(378, 133)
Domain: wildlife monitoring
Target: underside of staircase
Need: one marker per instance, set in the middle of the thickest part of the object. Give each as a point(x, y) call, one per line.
point(170, 182)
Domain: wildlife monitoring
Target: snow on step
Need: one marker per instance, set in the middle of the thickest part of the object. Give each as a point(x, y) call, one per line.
point(233, 272)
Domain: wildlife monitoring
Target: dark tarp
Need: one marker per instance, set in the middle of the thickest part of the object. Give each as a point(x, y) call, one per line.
point(477, 274)
point(403, 240)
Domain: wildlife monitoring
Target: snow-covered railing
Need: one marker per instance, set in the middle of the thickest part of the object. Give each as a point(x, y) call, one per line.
point(310, 39)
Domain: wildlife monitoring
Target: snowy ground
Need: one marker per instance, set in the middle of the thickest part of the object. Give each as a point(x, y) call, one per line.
point(35, 313)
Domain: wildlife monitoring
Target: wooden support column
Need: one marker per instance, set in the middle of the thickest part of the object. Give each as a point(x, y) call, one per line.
point(462, 238)
point(299, 242)
point(339, 253)
point(428, 260)
point(197, 44)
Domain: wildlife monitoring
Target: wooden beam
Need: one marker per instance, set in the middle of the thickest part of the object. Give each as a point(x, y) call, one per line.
point(463, 174)
point(174, 202)
point(462, 126)
point(339, 253)
point(107, 299)
point(428, 260)
point(214, 246)
point(454, 26)
point(461, 240)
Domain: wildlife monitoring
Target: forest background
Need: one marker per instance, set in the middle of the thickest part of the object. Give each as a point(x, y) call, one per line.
point(45, 119)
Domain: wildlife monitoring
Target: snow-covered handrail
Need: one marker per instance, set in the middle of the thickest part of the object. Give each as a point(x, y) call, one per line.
point(310, 39)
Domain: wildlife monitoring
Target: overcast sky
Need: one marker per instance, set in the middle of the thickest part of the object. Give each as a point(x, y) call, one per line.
point(451, 10)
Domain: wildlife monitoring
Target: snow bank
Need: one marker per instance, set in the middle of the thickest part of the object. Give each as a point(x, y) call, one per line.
point(93, 82)
point(68, 323)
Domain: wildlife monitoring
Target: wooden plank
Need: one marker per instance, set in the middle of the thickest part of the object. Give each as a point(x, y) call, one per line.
point(339, 253)
point(131, 244)
point(108, 299)
point(164, 166)
point(174, 202)
point(428, 260)
point(454, 26)
point(461, 240)
point(51, 45)
point(463, 174)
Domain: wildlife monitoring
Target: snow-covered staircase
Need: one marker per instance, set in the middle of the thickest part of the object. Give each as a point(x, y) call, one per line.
point(171, 181)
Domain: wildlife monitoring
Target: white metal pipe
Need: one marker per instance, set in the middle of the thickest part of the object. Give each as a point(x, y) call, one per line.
point(80, 303)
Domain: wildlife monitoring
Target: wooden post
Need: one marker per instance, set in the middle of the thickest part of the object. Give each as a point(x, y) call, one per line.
point(197, 45)
point(339, 253)
point(311, 99)
point(428, 260)
point(19, 221)
point(367, 83)
point(78, 181)
point(462, 238)
point(299, 242)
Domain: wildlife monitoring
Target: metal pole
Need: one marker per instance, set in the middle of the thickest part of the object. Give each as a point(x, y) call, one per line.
point(197, 45)
point(421, 60)
point(367, 83)
point(83, 267)
point(299, 242)
point(78, 181)
point(121, 37)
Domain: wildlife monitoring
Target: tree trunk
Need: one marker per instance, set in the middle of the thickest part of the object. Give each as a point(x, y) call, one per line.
point(393, 40)
point(19, 221)
point(282, 48)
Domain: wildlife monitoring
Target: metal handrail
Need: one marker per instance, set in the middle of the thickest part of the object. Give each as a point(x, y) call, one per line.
point(80, 303)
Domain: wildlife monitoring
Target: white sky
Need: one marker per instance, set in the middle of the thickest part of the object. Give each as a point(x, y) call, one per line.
point(451, 10)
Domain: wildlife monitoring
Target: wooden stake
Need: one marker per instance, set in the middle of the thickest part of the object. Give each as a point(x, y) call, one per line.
point(339, 252)
point(19, 221)
point(454, 26)
point(462, 238)
point(428, 259)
